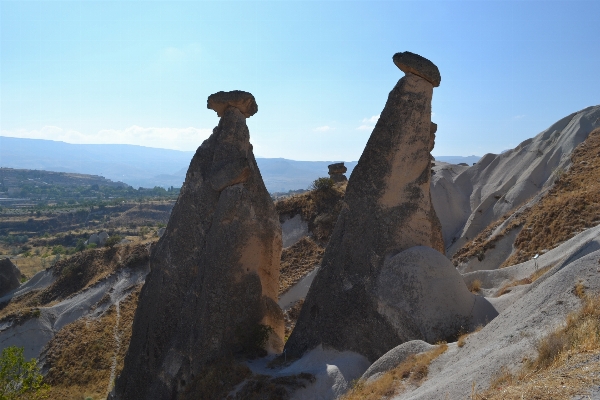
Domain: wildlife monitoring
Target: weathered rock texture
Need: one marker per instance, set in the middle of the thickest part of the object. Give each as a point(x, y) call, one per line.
point(214, 272)
point(387, 209)
point(415, 64)
point(10, 276)
point(337, 171)
point(243, 101)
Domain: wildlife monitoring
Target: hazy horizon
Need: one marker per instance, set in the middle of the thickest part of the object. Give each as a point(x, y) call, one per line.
point(140, 72)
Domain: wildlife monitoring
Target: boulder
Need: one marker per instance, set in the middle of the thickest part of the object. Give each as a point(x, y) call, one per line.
point(415, 64)
point(337, 171)
point(102, 238)
point(243, 101)
point(394, 357)
point(94, 239)
point(422, 295)
point(10, 276)
point(160, 232)
point(212, 290)
point(387, 209)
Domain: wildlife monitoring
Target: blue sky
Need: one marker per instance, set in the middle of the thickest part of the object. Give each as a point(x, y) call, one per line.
point(140, 72)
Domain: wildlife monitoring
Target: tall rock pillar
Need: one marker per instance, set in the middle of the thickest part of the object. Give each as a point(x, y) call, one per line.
point(214, 272)
point(387, 209)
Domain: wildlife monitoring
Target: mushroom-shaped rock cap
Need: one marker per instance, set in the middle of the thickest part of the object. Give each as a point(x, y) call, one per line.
point(414, 63)
point(243, 101)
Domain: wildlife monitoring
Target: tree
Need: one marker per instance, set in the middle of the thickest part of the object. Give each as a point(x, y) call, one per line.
point(321, 184)
point(20, 379)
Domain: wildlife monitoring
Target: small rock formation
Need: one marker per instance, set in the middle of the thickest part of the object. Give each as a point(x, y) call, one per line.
point(337, 171)
point(212, 289)
point(10, 276)
point(102, 238)
point(93, 239)
point(387, 209)
point(422, 295)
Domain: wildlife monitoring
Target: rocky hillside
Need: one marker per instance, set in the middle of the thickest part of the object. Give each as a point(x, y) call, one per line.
point(76, 318)
point(567, 208)
point(469, 199)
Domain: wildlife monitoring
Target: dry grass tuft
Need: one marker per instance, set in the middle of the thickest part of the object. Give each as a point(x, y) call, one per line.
point(579, 290)
point(413, 371)
point(525, 281)
point(475, 286)
point(567, 362)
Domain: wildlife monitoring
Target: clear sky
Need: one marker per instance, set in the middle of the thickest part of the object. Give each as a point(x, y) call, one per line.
point(140, 72)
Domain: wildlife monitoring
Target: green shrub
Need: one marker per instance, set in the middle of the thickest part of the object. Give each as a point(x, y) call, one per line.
point(20, 379)
point(322, 184)
point(113, 240)
point(58, 250)
point(91, 246)
point(80, 246)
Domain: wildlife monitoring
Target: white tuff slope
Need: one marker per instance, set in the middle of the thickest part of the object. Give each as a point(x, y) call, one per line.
point(468, 199)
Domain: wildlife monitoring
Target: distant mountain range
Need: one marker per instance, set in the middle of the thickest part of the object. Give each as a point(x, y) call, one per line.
point(141, 166)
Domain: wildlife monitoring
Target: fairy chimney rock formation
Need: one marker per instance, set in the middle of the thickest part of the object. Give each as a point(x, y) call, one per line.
point(387, 209)
point(212, 289)
point(337, 171)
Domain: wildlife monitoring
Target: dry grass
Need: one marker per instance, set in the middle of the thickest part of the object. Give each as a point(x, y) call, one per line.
point(143, 215)
point(29, 266)
point(81, 355)
point(297, 261)
point(567, 363)
point(412, 371)
point(525, 281)
point(475, 286)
